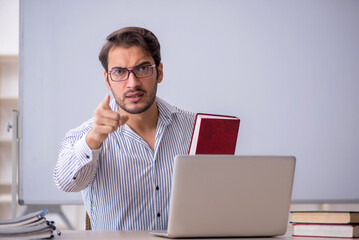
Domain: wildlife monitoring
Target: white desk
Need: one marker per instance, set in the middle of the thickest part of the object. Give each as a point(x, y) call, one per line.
point(140, 235)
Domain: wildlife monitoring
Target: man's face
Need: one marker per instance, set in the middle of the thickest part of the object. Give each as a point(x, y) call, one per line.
point(134, 95)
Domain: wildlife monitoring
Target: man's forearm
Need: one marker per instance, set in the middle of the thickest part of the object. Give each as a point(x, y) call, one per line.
point(76, 166)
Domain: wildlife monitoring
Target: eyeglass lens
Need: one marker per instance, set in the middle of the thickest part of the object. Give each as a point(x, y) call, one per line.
point(121, 74)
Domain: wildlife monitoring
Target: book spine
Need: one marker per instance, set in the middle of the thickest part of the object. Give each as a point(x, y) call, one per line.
point(190, 144)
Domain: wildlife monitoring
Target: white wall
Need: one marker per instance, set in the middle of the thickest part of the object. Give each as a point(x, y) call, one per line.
point(9, 27)
point(288, 69)
point(293, 80)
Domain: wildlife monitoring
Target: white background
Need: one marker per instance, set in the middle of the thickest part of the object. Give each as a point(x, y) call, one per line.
point(287, 69)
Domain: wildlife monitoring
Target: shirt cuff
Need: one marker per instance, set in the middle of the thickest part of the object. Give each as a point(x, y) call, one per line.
point(84, 153)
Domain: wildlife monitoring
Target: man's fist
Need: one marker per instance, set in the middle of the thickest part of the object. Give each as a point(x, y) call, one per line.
point(106, 121)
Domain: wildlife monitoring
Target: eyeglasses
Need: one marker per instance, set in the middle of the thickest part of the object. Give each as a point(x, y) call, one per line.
point(122, 74)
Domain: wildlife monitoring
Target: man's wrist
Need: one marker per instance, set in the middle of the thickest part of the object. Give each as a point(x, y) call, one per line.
point(92, 142)
point(84, 153)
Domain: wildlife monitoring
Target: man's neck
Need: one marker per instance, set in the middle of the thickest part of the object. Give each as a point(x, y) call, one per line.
point(145, 124)
point(144, 121)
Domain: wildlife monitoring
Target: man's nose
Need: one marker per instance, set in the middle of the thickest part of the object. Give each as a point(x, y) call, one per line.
point(132, 80)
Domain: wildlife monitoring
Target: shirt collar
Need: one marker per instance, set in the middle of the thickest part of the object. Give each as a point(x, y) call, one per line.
point(165, 110)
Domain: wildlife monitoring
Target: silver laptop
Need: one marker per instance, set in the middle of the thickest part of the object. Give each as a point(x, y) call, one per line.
point(230, 196)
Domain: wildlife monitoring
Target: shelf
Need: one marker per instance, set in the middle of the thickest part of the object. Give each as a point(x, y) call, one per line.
point(9, 78)
point(5, 193)
point(9, 91)
point(5, 140)
point(9, 58)
point(5, 198)
point(5, 98)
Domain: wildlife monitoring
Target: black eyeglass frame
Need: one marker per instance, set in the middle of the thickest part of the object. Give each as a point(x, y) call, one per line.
point(133, 70)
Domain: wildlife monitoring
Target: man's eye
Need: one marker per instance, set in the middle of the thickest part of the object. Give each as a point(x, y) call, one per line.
point(119, 72)
point(143, 68)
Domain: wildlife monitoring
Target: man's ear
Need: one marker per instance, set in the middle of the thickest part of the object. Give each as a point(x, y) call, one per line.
point(107, 80)
point(160, 73)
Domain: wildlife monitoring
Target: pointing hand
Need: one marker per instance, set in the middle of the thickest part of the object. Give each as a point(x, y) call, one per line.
point(106, 121)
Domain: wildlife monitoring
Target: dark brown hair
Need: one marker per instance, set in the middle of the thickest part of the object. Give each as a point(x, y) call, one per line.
point(129, 37)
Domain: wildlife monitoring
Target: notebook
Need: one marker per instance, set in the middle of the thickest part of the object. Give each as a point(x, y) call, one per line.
point(230, 196)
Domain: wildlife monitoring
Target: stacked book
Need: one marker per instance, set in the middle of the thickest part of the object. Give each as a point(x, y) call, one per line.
point(342, 224)
point(30, 226)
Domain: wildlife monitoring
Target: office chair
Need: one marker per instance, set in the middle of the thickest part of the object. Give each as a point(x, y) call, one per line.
point(88, 223)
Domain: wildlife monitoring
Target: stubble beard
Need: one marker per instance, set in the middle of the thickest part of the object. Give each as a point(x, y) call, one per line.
point(121, 101)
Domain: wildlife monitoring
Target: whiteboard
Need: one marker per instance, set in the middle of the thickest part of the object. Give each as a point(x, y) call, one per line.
point(288, 69)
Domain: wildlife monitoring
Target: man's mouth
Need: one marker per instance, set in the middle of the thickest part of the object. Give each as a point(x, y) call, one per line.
point(135, 96)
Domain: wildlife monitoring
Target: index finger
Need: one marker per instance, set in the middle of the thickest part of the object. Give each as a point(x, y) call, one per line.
point(106, 102)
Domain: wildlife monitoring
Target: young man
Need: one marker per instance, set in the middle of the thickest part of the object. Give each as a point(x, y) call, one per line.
point(122, 158)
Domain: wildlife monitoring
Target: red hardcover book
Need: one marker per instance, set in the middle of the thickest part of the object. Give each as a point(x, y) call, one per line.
point(214, 134)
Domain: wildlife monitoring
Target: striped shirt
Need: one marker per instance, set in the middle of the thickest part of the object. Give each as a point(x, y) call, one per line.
point(125, 185)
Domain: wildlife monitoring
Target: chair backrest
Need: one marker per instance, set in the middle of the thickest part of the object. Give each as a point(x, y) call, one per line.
point(88, 223)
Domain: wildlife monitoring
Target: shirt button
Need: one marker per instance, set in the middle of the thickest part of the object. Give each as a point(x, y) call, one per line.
point(87, 156)
point(157, 188)
point(158, 215)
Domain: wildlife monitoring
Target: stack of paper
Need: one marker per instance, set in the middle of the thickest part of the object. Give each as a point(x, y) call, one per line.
point(30, 226)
